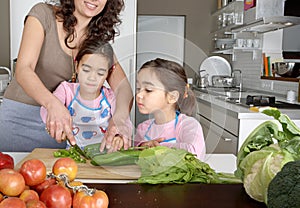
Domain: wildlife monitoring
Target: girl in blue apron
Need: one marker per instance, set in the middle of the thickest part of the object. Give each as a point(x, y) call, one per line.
point(88, 101)
point(163, 92)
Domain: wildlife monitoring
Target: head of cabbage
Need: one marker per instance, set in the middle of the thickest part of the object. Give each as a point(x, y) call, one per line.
point(260, 167)
point(265, 151)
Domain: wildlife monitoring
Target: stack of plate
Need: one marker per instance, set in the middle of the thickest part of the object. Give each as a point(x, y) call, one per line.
point(215, 65)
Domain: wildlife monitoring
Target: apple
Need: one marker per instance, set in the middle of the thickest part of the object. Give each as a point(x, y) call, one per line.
point(12, 182)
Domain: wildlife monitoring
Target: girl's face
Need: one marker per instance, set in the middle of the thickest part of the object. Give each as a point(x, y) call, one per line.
point(89, 8)
point(92, 72)
point(151, 96)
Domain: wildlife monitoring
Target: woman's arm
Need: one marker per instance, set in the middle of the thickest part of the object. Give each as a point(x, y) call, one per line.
point(124, 98)
point(58, 119)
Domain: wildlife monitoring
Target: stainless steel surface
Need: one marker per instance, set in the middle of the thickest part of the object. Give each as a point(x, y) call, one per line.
point(222, 81)
point(8, 71)
point(266, 24)
point(287, 69)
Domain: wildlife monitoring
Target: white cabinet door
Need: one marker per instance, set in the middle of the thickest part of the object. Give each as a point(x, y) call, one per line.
point(18, 11)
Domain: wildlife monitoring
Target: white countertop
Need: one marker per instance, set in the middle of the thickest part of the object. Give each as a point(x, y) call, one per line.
point(241, 111)
point(225, 163)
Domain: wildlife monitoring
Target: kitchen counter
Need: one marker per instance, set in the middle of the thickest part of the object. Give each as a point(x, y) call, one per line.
point(219, 162)
point(241, 112)
point(225, 124)
point(125, 193)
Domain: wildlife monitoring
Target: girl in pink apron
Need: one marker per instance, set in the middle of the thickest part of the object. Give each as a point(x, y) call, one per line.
point(90, 104)
point(163, 92)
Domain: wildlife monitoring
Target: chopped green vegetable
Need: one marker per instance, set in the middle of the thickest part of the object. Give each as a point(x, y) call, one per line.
point(71, 152)
point(169, 165)
point(284, 189)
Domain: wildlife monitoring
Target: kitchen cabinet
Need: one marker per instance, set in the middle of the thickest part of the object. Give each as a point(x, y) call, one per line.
point(226, 125)
point(220, 128)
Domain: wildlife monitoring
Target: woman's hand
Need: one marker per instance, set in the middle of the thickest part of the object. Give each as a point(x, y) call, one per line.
point(116, 129)
point(59, 122)
point(152, 143)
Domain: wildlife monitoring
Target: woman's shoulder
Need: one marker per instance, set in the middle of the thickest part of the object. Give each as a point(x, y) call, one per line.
point(43, 12)
point(41, 8)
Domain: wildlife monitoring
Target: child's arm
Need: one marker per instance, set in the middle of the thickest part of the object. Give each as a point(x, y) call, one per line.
point(189, 136)
point(152, 143)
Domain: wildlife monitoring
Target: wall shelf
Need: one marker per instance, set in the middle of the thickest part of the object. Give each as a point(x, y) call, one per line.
point(285, 79)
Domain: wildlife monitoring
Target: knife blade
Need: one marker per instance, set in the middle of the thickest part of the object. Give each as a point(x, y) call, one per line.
point(78, 149)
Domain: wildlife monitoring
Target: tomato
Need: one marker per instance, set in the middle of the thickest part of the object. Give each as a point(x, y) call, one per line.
point(39, 188)
point(27, 195)
point(12, 182)
point(33, 203)
point(34, 172)
point(12, 202)
point(98, 200)
point(56, 196)
point(66, 166)
point(6, 161)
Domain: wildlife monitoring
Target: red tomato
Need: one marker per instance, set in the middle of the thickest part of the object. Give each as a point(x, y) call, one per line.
point(6, 161)
point(66, 166)
point(56, 196)
point(98, 200)
point(39, 188)
point(12, 202)
point(33, 203)
point(12, 182)
point(34, 172)
point(27, 195)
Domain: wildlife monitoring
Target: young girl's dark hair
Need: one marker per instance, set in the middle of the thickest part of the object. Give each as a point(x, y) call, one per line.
point(100, 27)
point(97, 47)
point(173, 77)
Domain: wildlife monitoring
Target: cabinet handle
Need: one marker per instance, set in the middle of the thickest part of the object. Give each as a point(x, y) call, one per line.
point(227, 139)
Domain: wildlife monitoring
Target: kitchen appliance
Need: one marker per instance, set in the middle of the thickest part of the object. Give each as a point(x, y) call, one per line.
point(261, 100)
point(287, 69)
point(201, 79)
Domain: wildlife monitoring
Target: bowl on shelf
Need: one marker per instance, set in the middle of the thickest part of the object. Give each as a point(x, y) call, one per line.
point(224, 43)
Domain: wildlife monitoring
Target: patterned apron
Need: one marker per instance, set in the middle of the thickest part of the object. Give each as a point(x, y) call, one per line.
point(89, 124)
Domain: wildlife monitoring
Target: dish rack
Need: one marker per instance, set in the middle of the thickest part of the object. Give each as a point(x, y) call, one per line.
point(5, 78)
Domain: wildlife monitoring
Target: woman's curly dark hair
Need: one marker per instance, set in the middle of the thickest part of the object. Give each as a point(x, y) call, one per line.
point(100, 27)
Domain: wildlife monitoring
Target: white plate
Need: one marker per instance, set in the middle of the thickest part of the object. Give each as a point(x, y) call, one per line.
point(215, 65)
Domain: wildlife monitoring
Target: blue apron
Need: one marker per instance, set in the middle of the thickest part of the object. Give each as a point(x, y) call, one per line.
point(171, 140)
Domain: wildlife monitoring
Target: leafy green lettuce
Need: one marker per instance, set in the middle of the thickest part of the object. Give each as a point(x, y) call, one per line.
point(169, 165)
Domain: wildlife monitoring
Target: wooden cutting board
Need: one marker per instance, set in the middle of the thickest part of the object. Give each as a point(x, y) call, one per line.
point(86, 170)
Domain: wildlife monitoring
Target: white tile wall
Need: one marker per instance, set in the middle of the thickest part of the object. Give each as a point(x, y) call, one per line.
point(251, 70)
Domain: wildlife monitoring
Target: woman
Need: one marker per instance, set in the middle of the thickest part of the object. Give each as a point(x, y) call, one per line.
point(51, 38)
